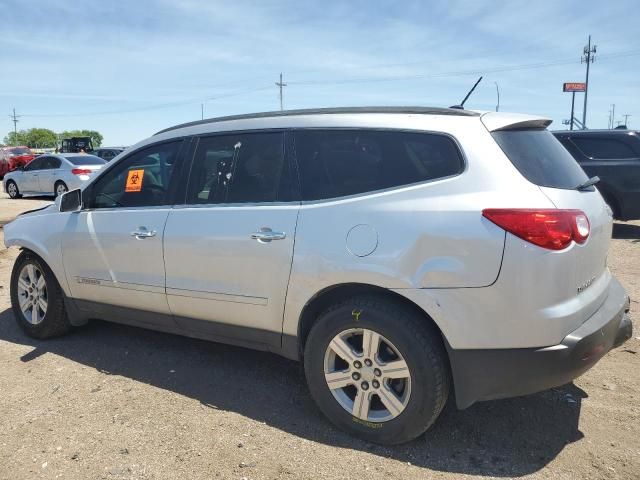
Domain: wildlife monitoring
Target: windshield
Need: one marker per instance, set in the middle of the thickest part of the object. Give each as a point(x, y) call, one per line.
point(540, 158)
point(85, 160)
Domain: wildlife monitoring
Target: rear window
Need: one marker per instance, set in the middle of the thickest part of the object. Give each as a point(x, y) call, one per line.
point(337, 163)
point(608, 148)
point(540, 158)
point(86, 160)
point(19, 151)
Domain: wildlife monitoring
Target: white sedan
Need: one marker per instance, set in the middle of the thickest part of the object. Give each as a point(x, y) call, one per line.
point(52, 174)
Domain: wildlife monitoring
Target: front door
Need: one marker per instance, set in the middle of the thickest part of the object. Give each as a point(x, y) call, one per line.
point(228, 251)
point(112, 249)
point(29, 181)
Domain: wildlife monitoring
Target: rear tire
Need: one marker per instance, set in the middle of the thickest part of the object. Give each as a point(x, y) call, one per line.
point(37, 299)
point(405, 392)
point(12, 190)
point(59, 188)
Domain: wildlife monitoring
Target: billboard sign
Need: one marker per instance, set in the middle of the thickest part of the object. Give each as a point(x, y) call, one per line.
point(574, 87)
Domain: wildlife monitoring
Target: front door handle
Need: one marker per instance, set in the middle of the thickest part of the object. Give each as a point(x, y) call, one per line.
point(265, 234)
point(143, 232)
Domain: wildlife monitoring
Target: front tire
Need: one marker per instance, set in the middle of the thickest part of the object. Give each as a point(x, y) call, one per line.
point(37, 299)
point(59, 188)
point(12, 190)
point(377, 369)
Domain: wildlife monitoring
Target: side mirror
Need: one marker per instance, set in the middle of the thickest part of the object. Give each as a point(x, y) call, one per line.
point(71, 201)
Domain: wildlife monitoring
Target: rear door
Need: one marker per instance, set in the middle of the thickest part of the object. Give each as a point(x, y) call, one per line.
point(228, 249)
point(47, 175)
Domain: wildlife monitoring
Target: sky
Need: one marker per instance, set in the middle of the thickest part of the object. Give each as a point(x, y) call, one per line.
point(131, 68)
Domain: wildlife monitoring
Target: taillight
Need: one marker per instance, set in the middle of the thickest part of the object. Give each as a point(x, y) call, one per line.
point(81, 171)
point(547, 228)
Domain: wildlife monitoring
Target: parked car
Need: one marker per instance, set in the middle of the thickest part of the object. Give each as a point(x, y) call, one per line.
point(436, 250)
point(614, 156)
point(108, 153)
point(76, 145)
point(52, 174)
point(12, 158)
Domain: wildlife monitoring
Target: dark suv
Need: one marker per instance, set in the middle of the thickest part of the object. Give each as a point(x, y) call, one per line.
point(614, 156)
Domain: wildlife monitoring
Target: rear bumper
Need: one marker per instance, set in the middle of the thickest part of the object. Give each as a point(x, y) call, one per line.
point(501, 373)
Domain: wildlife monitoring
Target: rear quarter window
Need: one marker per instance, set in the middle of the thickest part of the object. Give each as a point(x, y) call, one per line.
point(604, 148)
point(338, 163)
point(540, 158)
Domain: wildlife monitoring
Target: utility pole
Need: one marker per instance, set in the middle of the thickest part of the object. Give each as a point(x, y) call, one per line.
point(14, 119)
point(588, 57)
point(573, 104)
point(280, 84)
point(202, 110)
point(498, 93)
point(626, 119)
point(613, 114)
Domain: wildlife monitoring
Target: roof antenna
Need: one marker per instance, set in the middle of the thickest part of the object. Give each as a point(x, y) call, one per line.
point(461, 106)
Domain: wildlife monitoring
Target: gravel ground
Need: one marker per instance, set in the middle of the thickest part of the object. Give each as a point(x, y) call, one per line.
point(115, 402)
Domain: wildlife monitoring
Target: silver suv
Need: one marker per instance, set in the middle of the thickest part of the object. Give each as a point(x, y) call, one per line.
point(401, 254)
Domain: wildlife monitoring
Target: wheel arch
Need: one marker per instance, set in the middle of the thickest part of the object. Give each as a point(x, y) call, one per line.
point(341, 292)
point(611, 198)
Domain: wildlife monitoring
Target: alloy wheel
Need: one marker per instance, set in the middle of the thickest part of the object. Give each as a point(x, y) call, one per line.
point(32, 294)
point(367, 375)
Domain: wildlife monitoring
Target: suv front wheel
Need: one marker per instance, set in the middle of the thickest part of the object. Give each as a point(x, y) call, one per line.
point(37, 299)
point(377, 369)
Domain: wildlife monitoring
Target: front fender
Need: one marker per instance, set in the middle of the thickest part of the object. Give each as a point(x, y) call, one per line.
point(41, 234)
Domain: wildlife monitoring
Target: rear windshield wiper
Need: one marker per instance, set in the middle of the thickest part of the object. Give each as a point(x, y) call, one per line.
point(588, 183)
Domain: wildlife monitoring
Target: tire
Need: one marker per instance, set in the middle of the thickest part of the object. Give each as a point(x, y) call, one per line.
point(12, 190)
point(406, 334)
point(59, 188)
point(45, 323)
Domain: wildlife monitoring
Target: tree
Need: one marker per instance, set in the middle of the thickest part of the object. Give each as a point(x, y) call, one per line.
point(14, 138)
point(45, 138)
point(41, 138)
point(96, 137)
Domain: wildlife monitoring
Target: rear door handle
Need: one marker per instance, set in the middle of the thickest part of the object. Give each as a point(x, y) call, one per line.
point(265, 234)
point(143, 232)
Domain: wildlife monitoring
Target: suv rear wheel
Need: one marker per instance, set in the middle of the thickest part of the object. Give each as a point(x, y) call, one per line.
point(377, 369)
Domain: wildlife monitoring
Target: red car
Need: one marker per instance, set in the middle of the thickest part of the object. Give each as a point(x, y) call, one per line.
point(14, 157)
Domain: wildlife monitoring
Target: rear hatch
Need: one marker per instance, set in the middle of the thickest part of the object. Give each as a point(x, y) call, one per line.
point(542, 160)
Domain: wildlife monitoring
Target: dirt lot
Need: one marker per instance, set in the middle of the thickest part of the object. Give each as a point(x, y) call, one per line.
point(116, 402)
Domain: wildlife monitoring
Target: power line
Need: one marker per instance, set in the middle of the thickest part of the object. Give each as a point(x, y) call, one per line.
point(152, 107)
point(281, 84)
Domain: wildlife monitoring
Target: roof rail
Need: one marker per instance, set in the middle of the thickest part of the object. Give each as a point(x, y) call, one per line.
point(328, 111)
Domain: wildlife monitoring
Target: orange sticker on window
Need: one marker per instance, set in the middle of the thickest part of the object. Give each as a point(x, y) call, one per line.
point(134, 181)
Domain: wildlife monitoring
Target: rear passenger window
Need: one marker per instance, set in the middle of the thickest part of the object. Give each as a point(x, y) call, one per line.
point(595, 147)
point(336, 163)
point(540, 158)
point(239, 168)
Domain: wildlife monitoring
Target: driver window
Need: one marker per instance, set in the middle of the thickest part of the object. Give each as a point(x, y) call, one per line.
point(36, 164)
point(141, 180)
